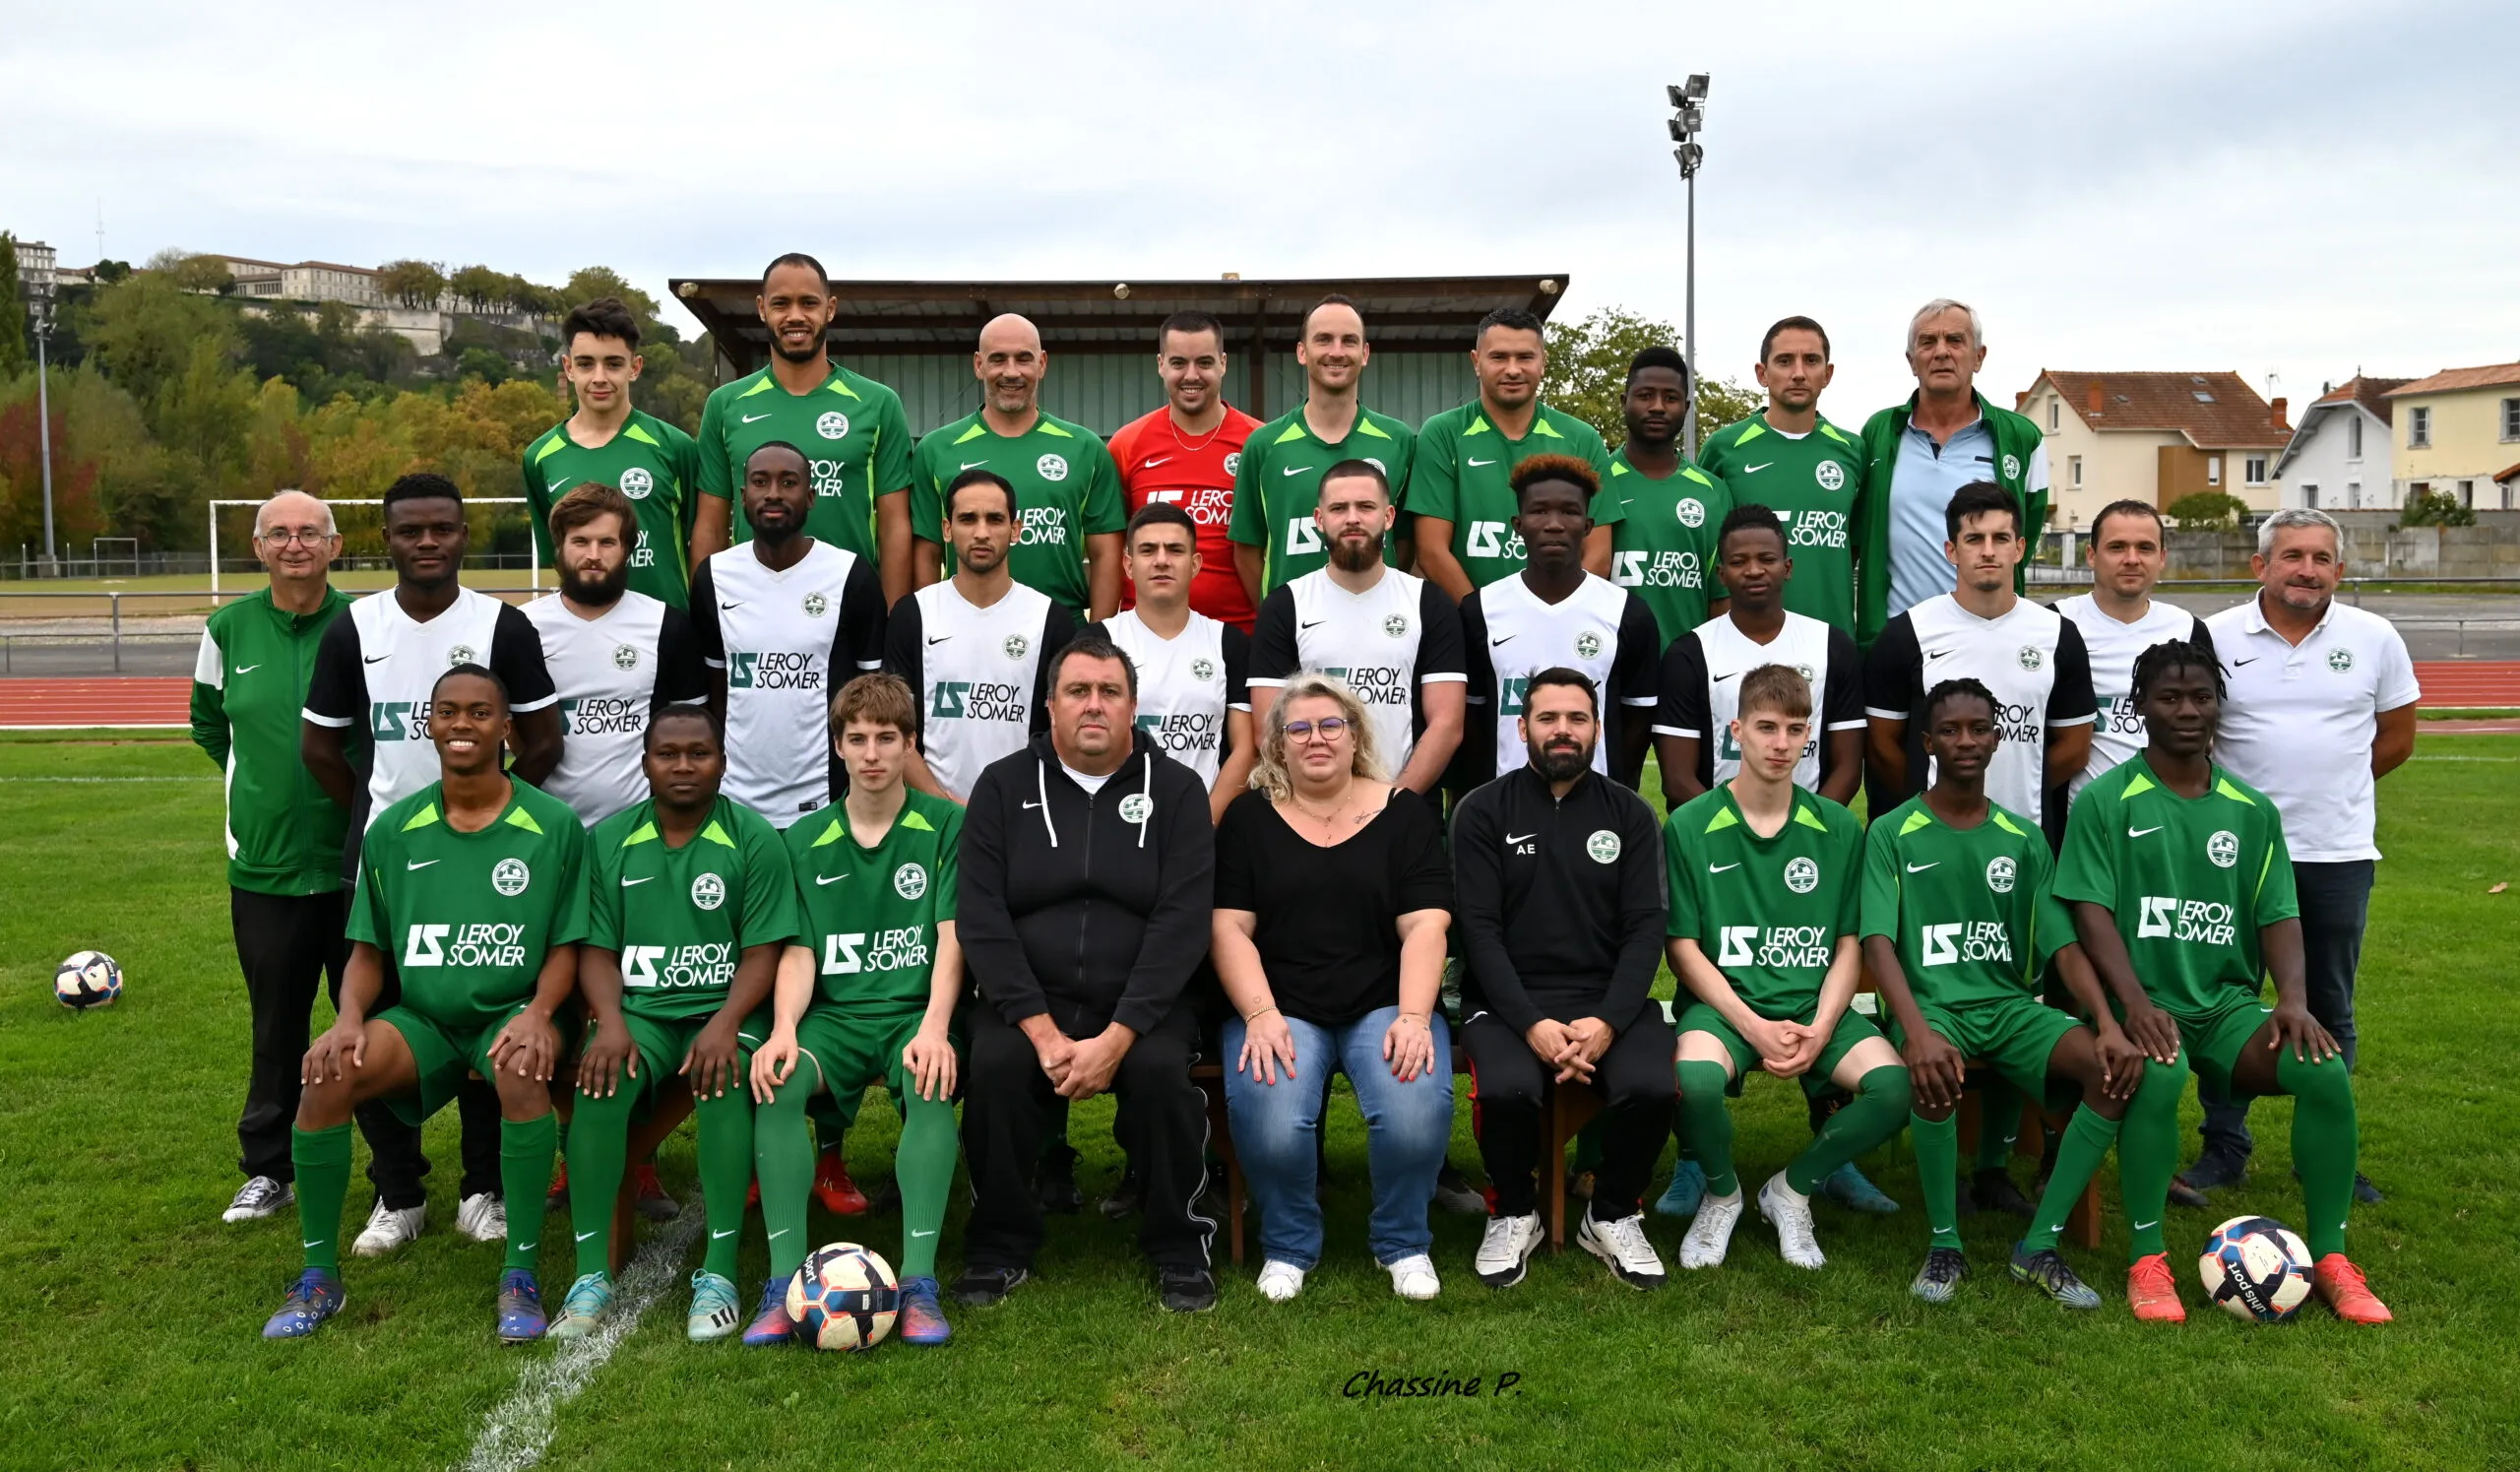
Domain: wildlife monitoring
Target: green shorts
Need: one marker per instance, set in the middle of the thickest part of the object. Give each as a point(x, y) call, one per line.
point(2015, 1037)
point(663, 1042)
point(2212, 1040)
point(442, 1056)
point(851, 1052)
point(1853, 1028)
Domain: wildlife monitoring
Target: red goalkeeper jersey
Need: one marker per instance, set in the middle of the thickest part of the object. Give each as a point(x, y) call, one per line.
point(1157, 462)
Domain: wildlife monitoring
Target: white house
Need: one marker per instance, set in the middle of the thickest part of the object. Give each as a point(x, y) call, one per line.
point(2338, 459)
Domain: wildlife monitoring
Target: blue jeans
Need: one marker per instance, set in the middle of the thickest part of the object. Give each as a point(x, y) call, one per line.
point(1276, 1129)
point(2336, 900)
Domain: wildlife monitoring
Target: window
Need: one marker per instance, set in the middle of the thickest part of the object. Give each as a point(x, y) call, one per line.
point(2310, 496)
point(2213, 470)
point(2056, 412)
point(2467, 493)
point(2511, 419)
point(2353, 437)
point(2255, 470)
point(2418, 429)
point(2074, 472)
point(2353, 495)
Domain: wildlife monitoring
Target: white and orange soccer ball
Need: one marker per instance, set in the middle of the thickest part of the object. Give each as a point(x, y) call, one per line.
point(2255, 1269)
point(844, 1298)
point(88, 979)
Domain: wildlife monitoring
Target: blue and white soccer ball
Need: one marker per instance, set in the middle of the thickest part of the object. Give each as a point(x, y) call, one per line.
point(845, 1297)
point(86, 981)
point(2255, 1269)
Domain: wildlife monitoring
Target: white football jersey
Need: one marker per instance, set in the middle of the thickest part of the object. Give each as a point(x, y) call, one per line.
point(788, 641)
point(975, 672)
point(1185, 685)
point(610, 671)
point(1701, 689)
point(1600, 629)
point(379, 664)
point(2111, 647)
point(2031, 659)
point(1387, 643)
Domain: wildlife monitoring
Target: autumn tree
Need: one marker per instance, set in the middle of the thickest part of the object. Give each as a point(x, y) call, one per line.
point(1588, 372)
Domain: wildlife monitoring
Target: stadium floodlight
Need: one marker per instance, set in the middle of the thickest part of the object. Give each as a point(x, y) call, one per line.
point(1688, 117)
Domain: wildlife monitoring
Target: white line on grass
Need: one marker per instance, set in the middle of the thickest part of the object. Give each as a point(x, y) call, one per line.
point(515, 1436)
point(2464, 759)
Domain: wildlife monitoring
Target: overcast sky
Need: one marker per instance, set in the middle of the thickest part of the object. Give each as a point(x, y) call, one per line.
point(2298, 190)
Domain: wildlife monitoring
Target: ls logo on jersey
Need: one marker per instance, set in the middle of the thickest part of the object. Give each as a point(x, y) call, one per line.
point(398, 721)
point(464, 946)
point(910, 881)
point(636, 482)
point(1999, 872)
point(1977, 940)
point(1782, 947)
point(510, 877)
point(1052, 467)
point(773, 670)
point(1603, 847)
point(1802, 876)
point(1814, 528)
point(1629, 569)
point(708, 891)
point(1495, 539)
point(711, 964)
point(2223, 848)
point(966, 700)
point(2164, 917)
point(902, 949)
point(832, 425)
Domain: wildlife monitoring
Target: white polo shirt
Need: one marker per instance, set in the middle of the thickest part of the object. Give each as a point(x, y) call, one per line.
point(2299, 720)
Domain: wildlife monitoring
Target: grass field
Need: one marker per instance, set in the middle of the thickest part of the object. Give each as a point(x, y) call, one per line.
point(134, 1313)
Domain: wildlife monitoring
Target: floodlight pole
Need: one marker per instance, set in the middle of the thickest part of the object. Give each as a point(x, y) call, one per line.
point(44, 433)
point(1688, 326)
point(1689, 116)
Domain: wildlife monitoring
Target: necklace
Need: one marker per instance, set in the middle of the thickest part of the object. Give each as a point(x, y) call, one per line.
point(1328, 820)
point(1188, 448)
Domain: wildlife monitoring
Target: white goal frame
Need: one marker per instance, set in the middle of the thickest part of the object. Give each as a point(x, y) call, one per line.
point(533, 549)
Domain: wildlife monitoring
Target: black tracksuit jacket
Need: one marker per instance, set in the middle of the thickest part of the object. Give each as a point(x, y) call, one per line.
point(1560, 901)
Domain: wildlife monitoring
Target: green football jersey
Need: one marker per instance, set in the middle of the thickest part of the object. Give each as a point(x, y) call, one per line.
point(1664, 546)
point(870, 915)
point(1768, 912)
point(2190, 881)
point(1972, 910)
point(1462, 472)
point(655, 465)
point(852, 431)
point(1278, 482)
point(727, 888)
point(467, 917)
point(1810, 484)
point(1066, 489)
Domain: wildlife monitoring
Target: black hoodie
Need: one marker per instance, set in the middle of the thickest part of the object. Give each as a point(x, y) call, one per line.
point(1094, 908)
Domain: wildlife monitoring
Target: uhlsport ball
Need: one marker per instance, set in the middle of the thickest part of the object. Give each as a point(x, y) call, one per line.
point(844, 1298)
point(89, 979)
point(2255, 1269)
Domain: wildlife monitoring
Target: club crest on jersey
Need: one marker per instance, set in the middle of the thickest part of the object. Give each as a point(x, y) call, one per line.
point(1802, 876)
point(1014, 646)
point(1050, 466)
point(1233, 463)
point(1999, 872)
point(1203, 671)
point(510, 877)
point(636, 482)
point(708, 891)
point(624, 657)
point(2031, 659)
point(1831, 475)
point(816, 606)
point(461, 654)
point(2012, 467)
point(1691, 511)
point(1588, 645)
point(1602, 846)
point(910, 881)
point(1135, 806)
point(2340, 660)
point(832, 425)
point(2223, 848)
point(1805, 672)
point(1396, 625)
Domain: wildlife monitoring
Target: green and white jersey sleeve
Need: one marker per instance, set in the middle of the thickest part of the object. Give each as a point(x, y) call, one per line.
point(852, 431)
point(681, 918)
point(653, 463)
point(2190, 881)
point(870, 913)
point(1664, 546)
point(1809, 480)
point(1278, 483)
point(1066, 489)
point(1463, 473)
point(468, 918)
point(1972, 910)
point(1768, 912)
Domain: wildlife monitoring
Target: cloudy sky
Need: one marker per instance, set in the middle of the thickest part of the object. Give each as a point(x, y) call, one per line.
point(2297, 190)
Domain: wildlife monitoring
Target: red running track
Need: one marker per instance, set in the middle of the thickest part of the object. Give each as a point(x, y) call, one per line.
point(137, 700)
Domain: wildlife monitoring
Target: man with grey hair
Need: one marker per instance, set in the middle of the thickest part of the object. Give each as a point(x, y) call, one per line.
point(285, 895)
point(1917, 454)
point(2320, 706)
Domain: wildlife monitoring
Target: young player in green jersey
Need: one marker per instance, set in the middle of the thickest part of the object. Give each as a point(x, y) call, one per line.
point(851, 428)
point(1959, 917)
point(606, 442)
point(2181, 890)
point(669, 974)
point(1670, 510)
point(1799, 466)
point(867, 997)
point(1766, 874)
point(1277, 482)
point(1461, 490)
point(1066, 488)
point(474, 888)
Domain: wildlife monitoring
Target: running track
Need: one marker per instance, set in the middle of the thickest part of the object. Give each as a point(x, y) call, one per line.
point(136, 700)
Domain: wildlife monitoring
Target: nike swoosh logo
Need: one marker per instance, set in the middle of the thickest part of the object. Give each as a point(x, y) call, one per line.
point(914, 1231)
point(1157, 459)
point(973, 465)
point(938, 638)
point(782, 1231)
point(1483, 462)
point(1936, 654)
point(378, 659)
point(721, 603)
point(626, 883)
point(421, 864)
point(1316, 623)
point(1502, 639)
point(1028, 807)
point(1752, 470)
point(2140, 832)
point(1515, 838)
point(750, 418)
point(2236, 664)
point(247, 668)
point(317, 1242)
point(821, 879)
point(1919, 869)
point(2144, 1226)
point(1721, 678)
point(528, 1247)
point(1294, 469)
point(1716, 868)
point(721, 1235)
point(583, 1236)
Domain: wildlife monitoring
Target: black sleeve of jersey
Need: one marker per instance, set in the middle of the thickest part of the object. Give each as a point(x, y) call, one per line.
point(681, 677)
point(2069, 695)
point(516, 658)
point(1682, 706)
point(1475, 663)
point(1891, 671)
point(902, 634)
point(1642, 912)
point(338, 690)
point(1842, 693)
point(1476, 761)
point(857, 644)
point(1237, 646)
point(1639, 662)
point(1441, 647)
point(1479, 898)
point(1058, 626)
point(1274, 655)
point(704, 617)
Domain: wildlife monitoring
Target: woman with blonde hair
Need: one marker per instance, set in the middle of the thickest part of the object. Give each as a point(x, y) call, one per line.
point(1333, 896)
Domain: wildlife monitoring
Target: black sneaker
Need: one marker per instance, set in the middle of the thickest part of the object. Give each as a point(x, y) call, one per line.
point(1939, 1278)
point(883, 1196)
point(1054, 1183)
point(980, 1287)
point(2215, 1169)
point(2364, 1192)
point(2045, 1270)
point(1187, 1290)
point(1993, 1190)
point(2183, 1195)
point(1124, 1198)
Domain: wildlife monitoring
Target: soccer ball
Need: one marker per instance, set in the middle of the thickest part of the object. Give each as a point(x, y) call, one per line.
point(2255, 1269)
point(89, 979)
point(844, 1298)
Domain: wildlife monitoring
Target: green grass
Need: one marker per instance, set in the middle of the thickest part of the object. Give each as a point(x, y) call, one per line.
point(133, 1312)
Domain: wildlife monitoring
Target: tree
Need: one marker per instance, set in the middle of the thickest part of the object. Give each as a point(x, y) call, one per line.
point(593, 282)
point(476, 286)
point(2435, 508)
point(208, 274)
point(14, 357)
point(145, 329)
point(2207, 511)
point(1588, 373)
point(411, 284)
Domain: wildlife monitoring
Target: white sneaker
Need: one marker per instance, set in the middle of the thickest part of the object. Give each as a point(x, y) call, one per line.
point(1623, 1245)
point(1505, 1252)
point(389, 1228)
point(1790, 1212)
point(482, 1218)
point(1711, 1233)
point(1414, 1277)
point(1280, 1281)
point(259, 1197)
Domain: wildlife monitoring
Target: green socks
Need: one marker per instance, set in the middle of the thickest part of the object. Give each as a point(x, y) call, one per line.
point(599, 1151)
point(923, 1164)
point(2148, 1154)
point(2088, 1137)
point(2326, 1136)
point(1710, 1124)
point(782, 1157)
point(1879, 1111)
point(725, 1173)
point(1937, 1144)
point(322, 1158)
point(1999, 1111)
point(526, 1148)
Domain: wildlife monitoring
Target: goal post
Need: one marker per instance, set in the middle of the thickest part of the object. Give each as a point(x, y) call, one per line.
point(533, 549)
